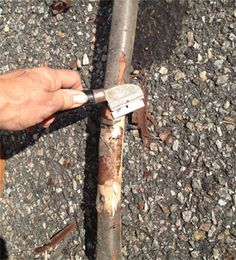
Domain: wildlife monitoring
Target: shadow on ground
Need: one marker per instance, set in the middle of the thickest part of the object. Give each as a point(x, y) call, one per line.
point(103, 23)
point(3, 249)
point(158, 28)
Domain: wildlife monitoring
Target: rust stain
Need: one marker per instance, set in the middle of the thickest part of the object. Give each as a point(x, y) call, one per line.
point(119, 148)
point(2, 168)
point(110, 165)
point(107, 114)
point(105, 170)
point(122, 67)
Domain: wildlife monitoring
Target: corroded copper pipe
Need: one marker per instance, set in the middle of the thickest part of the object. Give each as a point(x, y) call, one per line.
point(108, 204)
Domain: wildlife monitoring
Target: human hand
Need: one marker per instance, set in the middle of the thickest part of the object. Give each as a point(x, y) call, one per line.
point(31, 96)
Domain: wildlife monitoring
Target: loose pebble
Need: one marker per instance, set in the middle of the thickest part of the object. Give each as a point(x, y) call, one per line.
point(163, 70)
point(203, 76)
point(85, 60)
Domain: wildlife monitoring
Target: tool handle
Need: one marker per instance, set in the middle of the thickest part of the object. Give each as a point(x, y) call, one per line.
point(94, 96)
point(90, 95)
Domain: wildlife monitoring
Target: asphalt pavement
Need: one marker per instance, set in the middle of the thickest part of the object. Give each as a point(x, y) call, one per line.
point(179, 195)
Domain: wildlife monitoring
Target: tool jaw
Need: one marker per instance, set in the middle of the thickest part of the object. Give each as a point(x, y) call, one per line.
point(124, 99)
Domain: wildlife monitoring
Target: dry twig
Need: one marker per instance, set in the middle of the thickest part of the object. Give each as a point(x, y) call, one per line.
point(57, 238)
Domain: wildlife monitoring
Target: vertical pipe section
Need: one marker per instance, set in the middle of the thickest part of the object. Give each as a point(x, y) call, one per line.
point(108, 203)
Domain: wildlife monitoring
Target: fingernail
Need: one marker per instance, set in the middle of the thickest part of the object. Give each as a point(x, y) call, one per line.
point(80, 98)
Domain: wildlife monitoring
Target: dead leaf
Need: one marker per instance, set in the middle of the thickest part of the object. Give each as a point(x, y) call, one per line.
point(141, 205)
point(146, 175)
point(60, 6)
point(166, 136)
point(66, 162)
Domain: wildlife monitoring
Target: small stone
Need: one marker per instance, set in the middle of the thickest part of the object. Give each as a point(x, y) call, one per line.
point(234, 198)
point(218, 144)
point(135, 72)
point(6, 28)
point(219, 131)
point(190, 126)
point(78, 63)
point(164, 78)
point(180, 117)
point(222, 79)
point(60, 34)
point(199, 57)
point(181, 197)
point(203, 75)
point(186, 215)
point(215, 165)
point(61, 161)
point(199, 126)
point(216, 253)
point(136, 133)
point(175, 145)
point(173, 208)
point(58, 190)
point(190, 39)
point(211, 231)
point(209, 53)
point(74, 183)
point(179, 75)
point(196, 184)
point(234, 13)
point(233, 231)
point(59, 17)
point(218, 63)
point(224, 193)
point(199, 235)
point(163, 70)
point(85, 60)
point(104, 58)
point(196, 46)
point(205, 227)
point(232, 37)
point(221, 236)
point(222, 202)
point(195, 254)
point(195, 102)
point(36, 136)
point(176, 86)
point(48, 39)
point(90, 7)
point(226, 105)
point(153, 147)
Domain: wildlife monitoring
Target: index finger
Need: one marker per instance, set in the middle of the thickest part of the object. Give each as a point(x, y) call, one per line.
point(67, 79)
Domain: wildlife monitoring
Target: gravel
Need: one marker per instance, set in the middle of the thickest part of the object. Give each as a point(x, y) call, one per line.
point(179, 197)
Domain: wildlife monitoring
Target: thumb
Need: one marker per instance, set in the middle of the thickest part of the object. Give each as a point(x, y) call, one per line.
point(68, 99)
